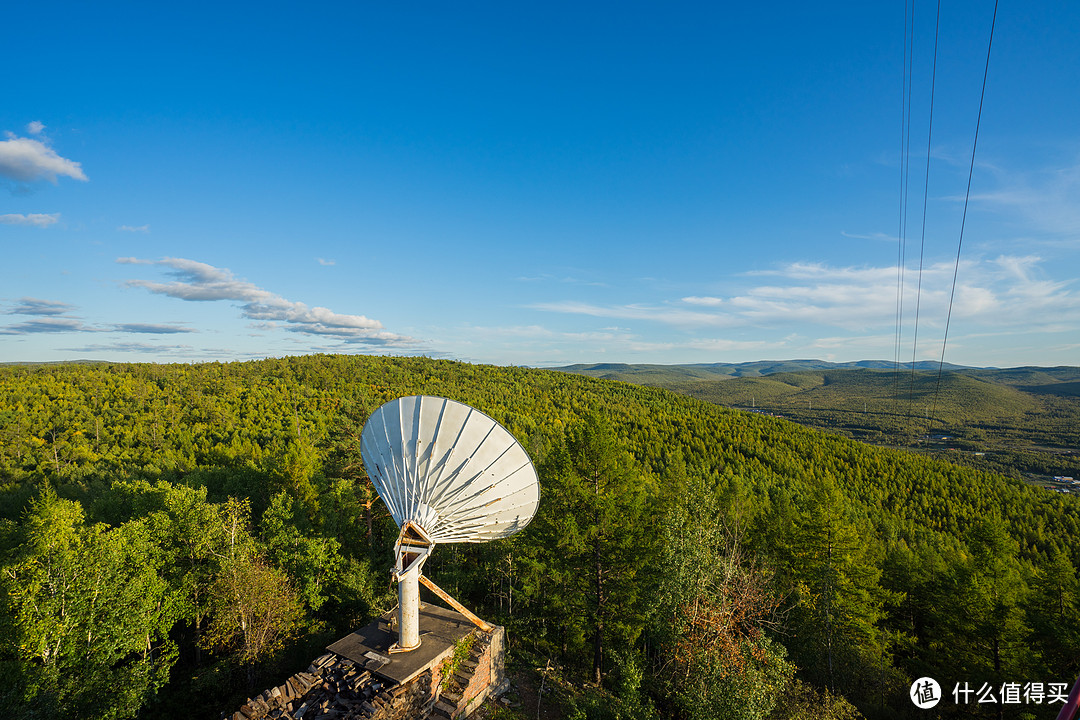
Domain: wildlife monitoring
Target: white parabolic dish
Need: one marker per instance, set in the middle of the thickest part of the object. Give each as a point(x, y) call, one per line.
point(450, 469)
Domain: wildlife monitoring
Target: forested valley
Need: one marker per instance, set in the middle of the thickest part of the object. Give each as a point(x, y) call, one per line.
point(173, 537)
point(1022, 422)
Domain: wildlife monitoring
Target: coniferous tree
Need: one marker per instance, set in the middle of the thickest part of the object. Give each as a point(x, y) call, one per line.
point(1054, 616)
point(840, 601)
point(991, 618)
point(596, 498)
point(711, 610)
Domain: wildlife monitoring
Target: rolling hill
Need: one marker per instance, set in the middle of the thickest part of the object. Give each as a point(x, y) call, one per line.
point(1018, 420)
point(134, 492)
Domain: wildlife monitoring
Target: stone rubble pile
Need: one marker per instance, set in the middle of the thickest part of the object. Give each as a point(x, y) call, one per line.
point(336, 688)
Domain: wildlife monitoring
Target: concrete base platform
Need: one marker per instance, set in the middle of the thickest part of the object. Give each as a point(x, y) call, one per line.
point(440, 631)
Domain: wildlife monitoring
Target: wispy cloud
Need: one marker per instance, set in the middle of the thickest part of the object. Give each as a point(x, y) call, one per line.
point(28, 160)
point(32, 219)
point(126, 347)
point(1048, 200)
point(539, 333)
point(883, 237)
point(538, 344)
point(178, 351)
point(47, 325)
point(152, 328)
point(35, 127)
point(1006, 290)
point(703, 301)
point(170, 352)
point(882, 343)
point(35, 306)
point(821, 271)
point(729, 345)
point(198, 281)
point(661, 314)
point(49, 316)
point(134, 228)
point(325, 262)
point(864, 298)
point(562, 279)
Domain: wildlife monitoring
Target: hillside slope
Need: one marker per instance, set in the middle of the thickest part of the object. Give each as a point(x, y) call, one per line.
point(1021, 421)
point(814, 522)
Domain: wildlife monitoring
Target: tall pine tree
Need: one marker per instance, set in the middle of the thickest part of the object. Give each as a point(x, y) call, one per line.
point(590, 541)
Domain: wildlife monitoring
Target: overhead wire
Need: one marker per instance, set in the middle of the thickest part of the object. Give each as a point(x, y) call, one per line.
point(926, 196)
point(963, 220)
point(905, 158)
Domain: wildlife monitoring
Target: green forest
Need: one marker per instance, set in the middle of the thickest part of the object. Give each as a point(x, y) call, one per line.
point(174, 538)
point(1020, 421)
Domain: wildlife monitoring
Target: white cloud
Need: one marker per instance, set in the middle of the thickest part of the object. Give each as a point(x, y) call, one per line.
point(135, 228)
point(46, 325)
point(28, 160)
point(538, 344)
point(1005, 290)
point(48, 316)
point(665, 315)
point(821, 271)
point(128, 347)
point(34, 306)
point(1018, 268)
point(1008, 290)
point(563, 279)
point(881, 343)
point(539, 333)
point(197, 281)
point(171, 351)
point(51, 316)
point(883, 237)
point(704, 301)
point(33, 219)
point(1048, 200)
point(728, 345)
point(326, 263)
point(152, 328)
point(35, 127)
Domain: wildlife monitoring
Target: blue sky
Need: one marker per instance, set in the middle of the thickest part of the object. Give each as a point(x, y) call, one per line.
point(536, 184)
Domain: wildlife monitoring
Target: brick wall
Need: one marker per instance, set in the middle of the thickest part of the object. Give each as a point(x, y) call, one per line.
point(479, 676)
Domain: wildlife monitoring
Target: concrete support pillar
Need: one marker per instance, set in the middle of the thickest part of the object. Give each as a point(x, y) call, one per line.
point(409, 609)
point(412, 549)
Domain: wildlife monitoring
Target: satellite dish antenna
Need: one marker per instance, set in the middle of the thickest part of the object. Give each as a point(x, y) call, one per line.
point(447, 473)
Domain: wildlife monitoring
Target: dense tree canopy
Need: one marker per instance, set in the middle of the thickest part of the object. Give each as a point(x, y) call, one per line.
point(190, 530)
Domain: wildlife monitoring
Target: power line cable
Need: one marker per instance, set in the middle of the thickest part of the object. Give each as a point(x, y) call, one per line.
point(926, 194)
point(905, 158)
point(963, 219)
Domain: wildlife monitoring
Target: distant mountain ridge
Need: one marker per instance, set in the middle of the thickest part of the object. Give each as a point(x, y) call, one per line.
point(1022, 419)
point(1027, 377)
point(756, 368)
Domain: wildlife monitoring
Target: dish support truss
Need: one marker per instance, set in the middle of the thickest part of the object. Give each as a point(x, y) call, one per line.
point(411, 551)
